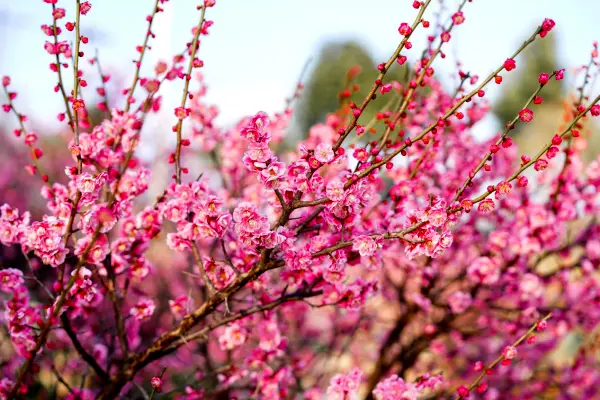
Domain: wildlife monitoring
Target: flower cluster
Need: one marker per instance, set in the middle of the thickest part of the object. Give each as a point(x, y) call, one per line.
point(351, 265)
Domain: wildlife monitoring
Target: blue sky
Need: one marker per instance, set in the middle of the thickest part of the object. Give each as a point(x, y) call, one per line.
point(257, 48)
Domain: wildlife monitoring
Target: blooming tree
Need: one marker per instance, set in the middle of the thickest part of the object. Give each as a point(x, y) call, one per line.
point(397, 258)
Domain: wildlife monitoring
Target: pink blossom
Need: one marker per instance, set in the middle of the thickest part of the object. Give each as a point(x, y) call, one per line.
point(510, 64)
point(459, 302)
point(526, 115)
point(502, 188)
point(10, 279)
point(509, 352)
point(404, 29)
point(179, 307)
point(233, 336)
point(365, 246)
point(335, 190)
point(156, 382)
point(85, 7)
point(344, 387)
point(540, 164)
point(394, 388)
point(458, 18)
point(486, 206)
point(142, 310)
point(548, 24)
point(483, 270)
point(324, 153)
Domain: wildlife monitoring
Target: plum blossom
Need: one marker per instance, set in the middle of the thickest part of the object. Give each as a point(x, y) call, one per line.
point(234, 335)
point(394, 388)
point(459, 302)
point(142, 310)
point(324, 153)
point(483, 270)
point(365, 245)
point(344, 386)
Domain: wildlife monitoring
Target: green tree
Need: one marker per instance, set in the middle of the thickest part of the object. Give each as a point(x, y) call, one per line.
point(329, 77)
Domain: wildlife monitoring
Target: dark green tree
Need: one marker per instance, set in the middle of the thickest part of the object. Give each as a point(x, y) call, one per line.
point(329, 77)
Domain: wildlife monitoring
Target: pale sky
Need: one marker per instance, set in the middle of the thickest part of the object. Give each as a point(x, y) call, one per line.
point(257, 48)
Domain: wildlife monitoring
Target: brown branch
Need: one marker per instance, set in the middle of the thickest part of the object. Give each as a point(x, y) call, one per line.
point(488, 155)
point(188, 78)
point(76, 80)
point(116, 303)
point(33, 157)
point(379, 80)
point(138, 63)
point(59, 73)
point(87, 357)
point(347, 243)
point(203, 333)
point(43, 336)
point(447, 115)
point(103, 84)
point(154, 351)
point(500, 358)
point(411, 90)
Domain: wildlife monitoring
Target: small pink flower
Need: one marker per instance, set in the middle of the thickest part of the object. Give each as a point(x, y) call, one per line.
point(510, 64)
point(182, 112)
point(10, 279)
point(526, 115)
point(344, 386)
point(459, 302)
point(405, 29)
point(483, 270)
point(31, 138)
point(59, 13)
point(143, 310)
point(437, 216)
point(467, 204)
point(509, 352)
point(548, 24)
point(522, 181)
point(486, 206)
point(384, 89)
point(458, 18)
point(335, 190)
point(395, 387)
point(85, 7)
point(233, 336)
point(503, 188)
point(540, 164)
point(179, 306)
point(156, 383)
point(324, 153)
point(544, 78)
point(552, 152)
point(361, 154)
point(365, 246)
